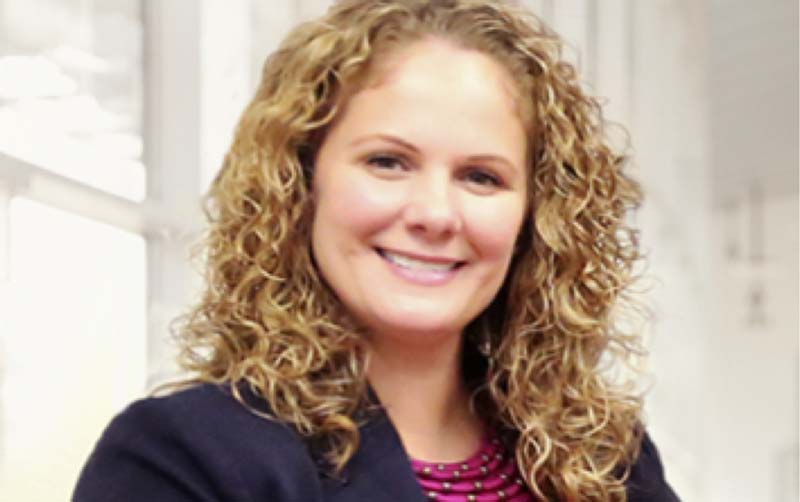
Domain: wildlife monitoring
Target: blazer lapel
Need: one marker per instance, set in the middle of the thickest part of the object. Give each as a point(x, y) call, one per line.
point(379, 471)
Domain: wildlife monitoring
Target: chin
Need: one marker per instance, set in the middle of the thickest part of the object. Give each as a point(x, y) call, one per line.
point(421, 326)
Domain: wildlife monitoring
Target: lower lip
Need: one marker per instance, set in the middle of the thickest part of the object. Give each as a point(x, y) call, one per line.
point(422, 277)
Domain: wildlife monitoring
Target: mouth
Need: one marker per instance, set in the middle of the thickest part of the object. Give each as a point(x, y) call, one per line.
point(419, 263)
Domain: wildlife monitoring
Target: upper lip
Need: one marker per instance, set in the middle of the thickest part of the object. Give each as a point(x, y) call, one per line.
point(420, 257)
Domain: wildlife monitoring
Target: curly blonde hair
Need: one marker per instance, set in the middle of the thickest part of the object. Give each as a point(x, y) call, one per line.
point(268, 320)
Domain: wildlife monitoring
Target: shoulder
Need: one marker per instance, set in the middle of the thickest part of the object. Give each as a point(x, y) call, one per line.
point(205, 415)
point(203, 409)
point(646, 481)
point(196, 444)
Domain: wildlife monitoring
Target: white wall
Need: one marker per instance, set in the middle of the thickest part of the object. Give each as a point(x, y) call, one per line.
point(750, 375)
point(750, 417)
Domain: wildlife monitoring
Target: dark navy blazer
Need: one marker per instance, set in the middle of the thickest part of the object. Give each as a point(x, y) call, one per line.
point(201, 444)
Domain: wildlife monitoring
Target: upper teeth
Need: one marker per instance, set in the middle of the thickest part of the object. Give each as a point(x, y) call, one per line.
point(406, 262)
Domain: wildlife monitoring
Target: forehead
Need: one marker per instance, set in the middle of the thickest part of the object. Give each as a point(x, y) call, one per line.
point(421, 62)
point(433, 91)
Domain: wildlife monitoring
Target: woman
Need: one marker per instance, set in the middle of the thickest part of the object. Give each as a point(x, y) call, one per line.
point(416, 243)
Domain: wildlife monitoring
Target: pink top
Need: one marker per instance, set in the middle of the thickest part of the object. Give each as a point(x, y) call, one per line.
point(487, 476)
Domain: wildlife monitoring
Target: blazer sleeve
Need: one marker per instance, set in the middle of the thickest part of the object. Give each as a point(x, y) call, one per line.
point(198, 445)
point(143, 455)
point(646, 482)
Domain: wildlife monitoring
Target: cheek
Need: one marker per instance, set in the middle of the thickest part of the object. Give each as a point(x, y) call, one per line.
point(353, 207)
point(494, 228)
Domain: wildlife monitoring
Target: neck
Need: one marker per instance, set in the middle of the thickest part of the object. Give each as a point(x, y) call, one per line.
point(424, 395)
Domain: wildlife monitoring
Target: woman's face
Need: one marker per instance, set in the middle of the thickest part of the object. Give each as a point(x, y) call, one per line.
point(420, 193)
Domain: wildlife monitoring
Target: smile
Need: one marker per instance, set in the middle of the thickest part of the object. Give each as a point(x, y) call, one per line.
point(428, 271)
point(414, 263)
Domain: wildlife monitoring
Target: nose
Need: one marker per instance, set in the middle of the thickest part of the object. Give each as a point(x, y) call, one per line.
point(432, 209)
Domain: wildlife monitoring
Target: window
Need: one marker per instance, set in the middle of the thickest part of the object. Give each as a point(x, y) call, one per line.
point(73, 278)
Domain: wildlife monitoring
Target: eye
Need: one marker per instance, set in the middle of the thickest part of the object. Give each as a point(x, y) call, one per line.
point(483, 178)
point(385, 161)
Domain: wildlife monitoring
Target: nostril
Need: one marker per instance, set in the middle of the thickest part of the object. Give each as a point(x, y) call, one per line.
point(433, 220)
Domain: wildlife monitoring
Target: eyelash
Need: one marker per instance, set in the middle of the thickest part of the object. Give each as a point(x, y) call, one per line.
point(380, 161)
point(484, 176)
point(478, 176)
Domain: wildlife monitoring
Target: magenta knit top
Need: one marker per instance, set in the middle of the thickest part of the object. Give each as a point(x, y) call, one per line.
point(489, 475)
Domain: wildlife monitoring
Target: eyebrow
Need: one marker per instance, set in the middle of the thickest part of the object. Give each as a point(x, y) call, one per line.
point(482, 157)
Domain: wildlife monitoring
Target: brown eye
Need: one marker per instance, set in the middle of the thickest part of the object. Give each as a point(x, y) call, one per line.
point(388, 162)
point(483, 178)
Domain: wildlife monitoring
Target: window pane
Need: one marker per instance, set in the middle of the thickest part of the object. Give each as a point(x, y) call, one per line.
point(72, 344)
point(71, 89)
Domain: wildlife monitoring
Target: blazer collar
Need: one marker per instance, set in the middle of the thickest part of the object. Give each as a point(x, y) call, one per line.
point(380, 469)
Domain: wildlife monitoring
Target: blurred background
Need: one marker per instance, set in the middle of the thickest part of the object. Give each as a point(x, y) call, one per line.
point(115, 115)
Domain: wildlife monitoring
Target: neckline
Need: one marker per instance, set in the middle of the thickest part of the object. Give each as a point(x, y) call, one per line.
point(489, 446)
